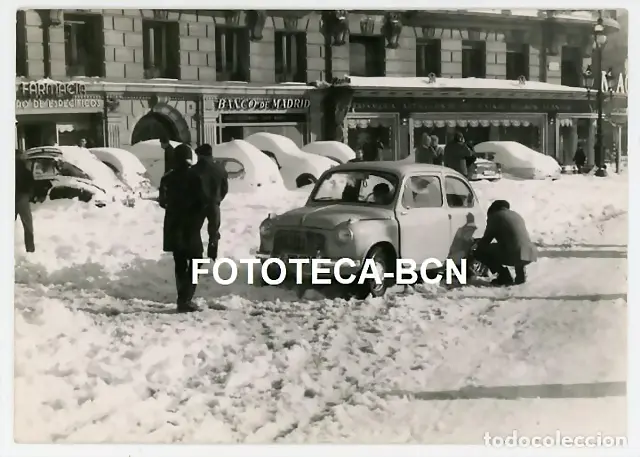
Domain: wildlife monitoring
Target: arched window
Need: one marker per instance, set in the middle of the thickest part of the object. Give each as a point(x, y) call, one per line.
point(153, 126)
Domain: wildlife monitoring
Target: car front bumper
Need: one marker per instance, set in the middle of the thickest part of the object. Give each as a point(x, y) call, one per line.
point(484, 175)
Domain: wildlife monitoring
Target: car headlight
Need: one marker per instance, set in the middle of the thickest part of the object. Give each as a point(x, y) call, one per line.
point(344, 234)
point(266, 228)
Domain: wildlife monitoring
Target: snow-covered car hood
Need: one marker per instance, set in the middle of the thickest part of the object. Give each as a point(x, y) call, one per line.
point(329, 216)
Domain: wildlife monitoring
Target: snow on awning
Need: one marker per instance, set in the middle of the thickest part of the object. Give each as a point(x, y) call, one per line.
point(364, 123)
point(440, 123)
point(565, 122)
point(386, 82)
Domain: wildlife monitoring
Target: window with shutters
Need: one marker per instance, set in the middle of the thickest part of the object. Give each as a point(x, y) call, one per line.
point(291, 57)
point(161, 53)
point(474, 59)
point(517, 61)
point(232, 53)
point(428, 57)
point(366, 56)
point(83, 45)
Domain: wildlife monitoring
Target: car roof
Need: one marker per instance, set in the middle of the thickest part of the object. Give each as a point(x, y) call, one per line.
point(397, 167)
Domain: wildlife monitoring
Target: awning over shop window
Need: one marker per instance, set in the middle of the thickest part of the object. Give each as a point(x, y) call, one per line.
point(565, 122)
point(470, 123)
point(364, 123)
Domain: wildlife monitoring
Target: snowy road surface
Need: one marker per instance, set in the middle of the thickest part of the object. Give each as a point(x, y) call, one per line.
point(101, 357)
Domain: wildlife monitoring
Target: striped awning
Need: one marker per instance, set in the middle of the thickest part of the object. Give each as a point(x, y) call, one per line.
point(366, 122)
point(439, 123)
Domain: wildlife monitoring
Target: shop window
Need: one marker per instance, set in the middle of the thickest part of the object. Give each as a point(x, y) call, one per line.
point(571, 67)
point(21, 44)
point(83, 45)
point(428, 58)
point(366, 56)
point(291, 57)
point(459, 195)
point(160, 49)
point(517, 61)
point(232, 54)
point(474, 59)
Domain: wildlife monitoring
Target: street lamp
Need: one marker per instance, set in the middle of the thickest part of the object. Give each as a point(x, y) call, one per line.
point(599, 41)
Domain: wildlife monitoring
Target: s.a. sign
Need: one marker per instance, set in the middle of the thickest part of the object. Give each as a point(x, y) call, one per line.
point(619, 87)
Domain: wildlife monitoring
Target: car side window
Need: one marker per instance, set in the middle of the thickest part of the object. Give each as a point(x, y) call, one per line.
point(272, 156)
point(67, 169)
point(459, 194)
point(422, 192)
point(45, 168)
point(233, 167)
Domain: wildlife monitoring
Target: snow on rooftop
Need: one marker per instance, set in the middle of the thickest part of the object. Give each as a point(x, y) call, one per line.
point(457, 83)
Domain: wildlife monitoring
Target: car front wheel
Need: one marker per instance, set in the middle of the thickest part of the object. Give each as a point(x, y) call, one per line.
point(370, 286)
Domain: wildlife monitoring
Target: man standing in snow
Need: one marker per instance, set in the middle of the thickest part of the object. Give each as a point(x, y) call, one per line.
point(513, 245)
point(215, 185)
point(24, 190)
point(182, 199)
point(457, 155)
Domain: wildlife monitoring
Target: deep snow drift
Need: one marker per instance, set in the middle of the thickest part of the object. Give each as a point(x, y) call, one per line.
point(101, 358)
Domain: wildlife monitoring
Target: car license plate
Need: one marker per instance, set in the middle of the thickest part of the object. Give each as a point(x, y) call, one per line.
point(487, 172)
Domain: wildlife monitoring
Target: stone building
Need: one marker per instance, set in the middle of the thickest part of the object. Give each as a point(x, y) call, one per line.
point(116, 77)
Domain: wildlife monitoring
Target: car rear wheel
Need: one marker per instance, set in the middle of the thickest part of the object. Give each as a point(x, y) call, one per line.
point(371, 287)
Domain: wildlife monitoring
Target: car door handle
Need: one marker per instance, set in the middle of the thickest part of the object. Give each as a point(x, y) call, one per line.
point(449, 216)
point(403, 213)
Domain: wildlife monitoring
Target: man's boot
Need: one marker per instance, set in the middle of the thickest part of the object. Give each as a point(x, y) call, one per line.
point(188, 307)
point(504, 277)
point(521, 275)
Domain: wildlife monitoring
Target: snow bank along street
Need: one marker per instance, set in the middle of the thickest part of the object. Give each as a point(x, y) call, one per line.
point(101, 356)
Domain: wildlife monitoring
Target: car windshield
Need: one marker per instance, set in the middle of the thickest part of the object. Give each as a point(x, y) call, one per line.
point(375, 188)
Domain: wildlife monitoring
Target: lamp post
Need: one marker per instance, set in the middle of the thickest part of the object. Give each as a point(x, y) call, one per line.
point(599, 41)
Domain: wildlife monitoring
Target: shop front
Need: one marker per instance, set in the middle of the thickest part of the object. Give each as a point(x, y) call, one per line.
point(238, 116)
point(57, 113)
point(400, 123)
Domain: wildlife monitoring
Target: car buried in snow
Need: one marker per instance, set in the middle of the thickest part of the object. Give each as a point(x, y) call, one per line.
point(72, 172)
point(382, 211)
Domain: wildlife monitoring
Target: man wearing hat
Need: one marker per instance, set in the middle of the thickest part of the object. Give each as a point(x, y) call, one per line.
point(214, 180)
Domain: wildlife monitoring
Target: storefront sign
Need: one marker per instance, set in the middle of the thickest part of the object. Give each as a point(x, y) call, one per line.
point(261, 104)
point(621, 87)
point(51, 89)
point(455, 105)
point(71, 104)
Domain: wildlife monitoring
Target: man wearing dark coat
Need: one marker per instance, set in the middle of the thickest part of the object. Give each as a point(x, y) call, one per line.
point(580, 158)
point(24, 191)
point(425, 152)
point(181, 197)
point(438, 151)
point(169, 153)
point(513, 245)
point(457, 155)
point(215, 185)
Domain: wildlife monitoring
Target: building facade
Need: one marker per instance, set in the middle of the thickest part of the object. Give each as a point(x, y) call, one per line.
point(116, 77)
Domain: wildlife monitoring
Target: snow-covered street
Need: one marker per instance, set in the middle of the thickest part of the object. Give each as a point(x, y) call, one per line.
point(102, 357)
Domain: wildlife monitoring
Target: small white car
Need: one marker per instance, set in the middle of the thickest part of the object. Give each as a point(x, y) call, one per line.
point(298, 168)
point(151, 154)
point(520, 161)
point(334, 150)
point(247, 167)
point(68, 172)
point(127, 168)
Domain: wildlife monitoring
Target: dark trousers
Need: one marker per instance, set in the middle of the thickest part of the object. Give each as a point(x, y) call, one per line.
point(184, 281)
point(213, 229)
point(23, 209)
point(494, 257)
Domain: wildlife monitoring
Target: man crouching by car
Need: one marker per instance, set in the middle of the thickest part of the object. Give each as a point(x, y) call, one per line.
point(183, 202)
point(513, 246)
